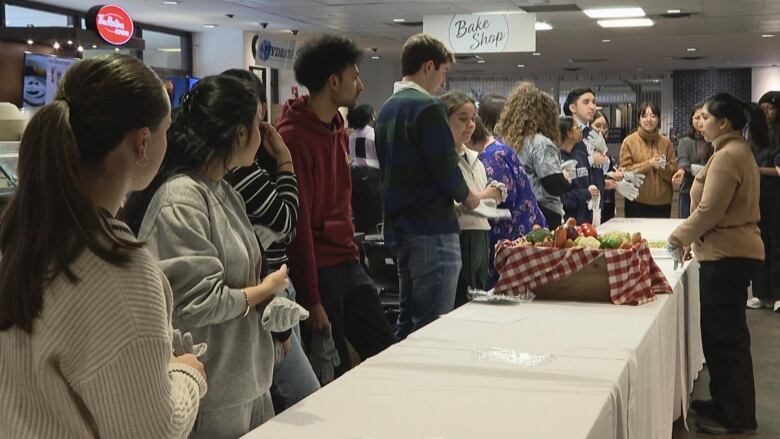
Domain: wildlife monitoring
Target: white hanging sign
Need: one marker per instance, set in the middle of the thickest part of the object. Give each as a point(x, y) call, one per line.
point(484, 33)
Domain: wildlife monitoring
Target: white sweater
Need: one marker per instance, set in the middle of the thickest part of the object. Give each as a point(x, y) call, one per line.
point(97, 362)
point(476, 179)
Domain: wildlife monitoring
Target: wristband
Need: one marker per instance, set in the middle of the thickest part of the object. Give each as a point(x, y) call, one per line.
point(246, 297)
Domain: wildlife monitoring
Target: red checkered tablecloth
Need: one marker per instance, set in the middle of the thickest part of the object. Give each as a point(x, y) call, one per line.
point(633, 276)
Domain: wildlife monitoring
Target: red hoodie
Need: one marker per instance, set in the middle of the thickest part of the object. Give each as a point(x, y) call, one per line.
point(324, 231)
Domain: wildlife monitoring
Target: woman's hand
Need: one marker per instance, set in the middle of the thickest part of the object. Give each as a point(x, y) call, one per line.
point(273, 283)
point(273, 144)
point(491, 192)
point(677, 178)
point(192, 361)
point(594, 192)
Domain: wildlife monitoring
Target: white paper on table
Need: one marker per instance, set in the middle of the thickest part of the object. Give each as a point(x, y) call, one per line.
point(485, 314)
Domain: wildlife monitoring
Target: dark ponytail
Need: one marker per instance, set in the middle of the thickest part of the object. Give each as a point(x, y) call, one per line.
point(203, 130)
point(744, 117)
point(52, 218)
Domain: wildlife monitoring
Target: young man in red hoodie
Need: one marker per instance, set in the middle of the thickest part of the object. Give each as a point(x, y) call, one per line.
point(324, 263)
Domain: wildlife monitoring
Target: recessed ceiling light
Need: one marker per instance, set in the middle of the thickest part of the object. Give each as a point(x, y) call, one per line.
point(691, 49)
point(673, 11)
point(536, 54)
point(56, 45)
point(768, 36)
point(116, 49)
point(70, 42)
point(606, 40)
point(521, 65)
point(614, 12)
point(80, 48)
point(30, 42)
point(94, 46)
point(398, 20)
point(171, 2)
point(209, 26)
point(481, 61)
point(542, 26)
point(626, 22)
point(375, 57)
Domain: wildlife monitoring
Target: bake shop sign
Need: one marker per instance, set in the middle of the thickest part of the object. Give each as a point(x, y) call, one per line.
point(112, 23)
point(484, 33)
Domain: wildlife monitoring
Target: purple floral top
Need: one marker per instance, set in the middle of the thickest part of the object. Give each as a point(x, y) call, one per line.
point(503, 165)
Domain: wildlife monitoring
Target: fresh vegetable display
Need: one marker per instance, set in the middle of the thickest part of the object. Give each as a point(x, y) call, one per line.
point(585, 235)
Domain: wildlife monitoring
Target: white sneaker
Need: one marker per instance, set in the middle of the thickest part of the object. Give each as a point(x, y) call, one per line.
point(777, 305)
point(756, 303)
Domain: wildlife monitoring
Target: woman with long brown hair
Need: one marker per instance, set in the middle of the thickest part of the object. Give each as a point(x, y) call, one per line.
point(529, 124)
point(85, 329)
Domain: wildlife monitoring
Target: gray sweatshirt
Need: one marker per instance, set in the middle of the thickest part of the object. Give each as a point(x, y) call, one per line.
point(204, 241)
point(541, 158)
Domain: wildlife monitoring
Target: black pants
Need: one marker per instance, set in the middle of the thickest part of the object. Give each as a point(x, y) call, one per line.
point(553, 219)
point(352, 303)
point(366, 198)
point(641, 210)
point(766, 280)
point(726, 338)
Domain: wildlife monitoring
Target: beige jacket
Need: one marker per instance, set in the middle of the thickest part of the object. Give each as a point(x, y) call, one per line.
point(724, 205)
point(476, 179)
point(637, 151)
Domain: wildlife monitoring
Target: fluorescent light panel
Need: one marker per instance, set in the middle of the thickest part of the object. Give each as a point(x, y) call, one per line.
point(540, 25)
point(626, 22)
point(615, 12)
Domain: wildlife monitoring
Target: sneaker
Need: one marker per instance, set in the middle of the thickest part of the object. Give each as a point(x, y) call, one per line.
point(756, 303)
point(713, 426)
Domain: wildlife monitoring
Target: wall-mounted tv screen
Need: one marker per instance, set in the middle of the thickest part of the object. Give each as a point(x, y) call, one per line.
point(42, 76)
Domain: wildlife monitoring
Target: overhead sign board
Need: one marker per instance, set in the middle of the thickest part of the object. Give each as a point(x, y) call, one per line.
point(486, 33)
point(112, 23)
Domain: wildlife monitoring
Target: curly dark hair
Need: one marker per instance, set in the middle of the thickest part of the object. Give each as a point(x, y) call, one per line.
point(203, 130)
point(322, 57)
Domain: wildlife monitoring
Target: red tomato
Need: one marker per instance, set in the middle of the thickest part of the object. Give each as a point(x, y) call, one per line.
point(588, 230)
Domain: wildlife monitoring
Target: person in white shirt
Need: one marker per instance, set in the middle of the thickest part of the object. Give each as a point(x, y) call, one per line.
point(474, 229)
point(366, 177)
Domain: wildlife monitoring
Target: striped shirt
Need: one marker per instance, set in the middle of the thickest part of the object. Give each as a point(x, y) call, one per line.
point(272, 207)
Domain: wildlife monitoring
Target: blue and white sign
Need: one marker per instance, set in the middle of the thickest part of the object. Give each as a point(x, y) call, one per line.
point(273, 52)
point(488, 33)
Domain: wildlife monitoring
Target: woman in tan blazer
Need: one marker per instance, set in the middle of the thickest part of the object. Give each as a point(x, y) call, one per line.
point(723, 228)
point(648, 152)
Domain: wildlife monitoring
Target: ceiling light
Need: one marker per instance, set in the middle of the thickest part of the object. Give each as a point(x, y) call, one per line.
point(209, 26)
point(614, 12)
point(673, 11)
point(171, 2)
point(481, 61)
point(498, 12)
point(768, 36)
point(70, 42)
point(691, 49)
point(606, 40)
point(80, 48)
point(521, 65)
point(536, 54)
point(30, 42)
point(116, 49)
point(94, 46)
point(56, 45)
point(398, 20)
point(626, 22)
point(169, 49)
point(542, 26)
point(375, 57)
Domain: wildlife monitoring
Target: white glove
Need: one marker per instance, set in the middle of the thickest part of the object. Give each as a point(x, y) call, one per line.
point(501, 187)
point(594, 203)
point(635, 178)
point(571, 166)
point(676, 253)
point(628, 190)
point(595, 142)
point(567, 175)
point(182, 344)
point(695, 169)
point(282, 314)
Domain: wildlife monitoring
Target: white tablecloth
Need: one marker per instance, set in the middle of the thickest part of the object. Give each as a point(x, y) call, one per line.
point(613, 372)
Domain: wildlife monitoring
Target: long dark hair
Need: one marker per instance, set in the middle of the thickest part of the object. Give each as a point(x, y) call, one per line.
point(52, 219)
point(565, 125)
point(203, 129)
point(741, 115)
point(643, 109)
point(692, 132)
point(490, 108)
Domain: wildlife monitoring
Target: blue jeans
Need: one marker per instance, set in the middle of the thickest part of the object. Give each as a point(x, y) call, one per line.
point(428, 269)
point(294, 378)
point(685, 206)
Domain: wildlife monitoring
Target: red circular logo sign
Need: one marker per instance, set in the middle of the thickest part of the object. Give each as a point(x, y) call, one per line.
point(114, 24)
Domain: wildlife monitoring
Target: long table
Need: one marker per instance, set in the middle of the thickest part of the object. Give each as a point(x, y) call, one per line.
point(601, 371)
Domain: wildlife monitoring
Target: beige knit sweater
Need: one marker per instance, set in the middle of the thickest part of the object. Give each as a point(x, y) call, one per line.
point(98, 361)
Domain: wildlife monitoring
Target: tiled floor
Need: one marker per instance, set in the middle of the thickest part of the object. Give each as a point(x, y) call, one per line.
point(765, 331)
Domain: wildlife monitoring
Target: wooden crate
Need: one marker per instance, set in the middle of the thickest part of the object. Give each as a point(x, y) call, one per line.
point(590, 284)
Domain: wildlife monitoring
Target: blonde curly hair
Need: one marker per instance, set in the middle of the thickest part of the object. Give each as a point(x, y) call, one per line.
point(528, 111)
